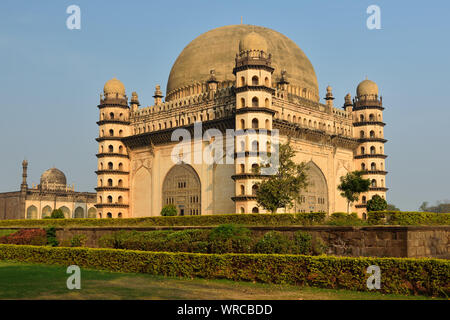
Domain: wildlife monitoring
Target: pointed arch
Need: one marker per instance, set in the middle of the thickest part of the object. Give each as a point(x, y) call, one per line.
point(316, 193)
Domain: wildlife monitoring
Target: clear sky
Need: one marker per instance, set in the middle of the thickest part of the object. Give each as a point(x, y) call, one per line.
point(51, 77)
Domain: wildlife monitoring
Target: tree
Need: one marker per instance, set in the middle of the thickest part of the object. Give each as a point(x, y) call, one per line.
point(352, 184)
point(377, 203)
point(57, 214)
point(281, 189)
point(169, 210)
point(423, 206)
point(391, 207)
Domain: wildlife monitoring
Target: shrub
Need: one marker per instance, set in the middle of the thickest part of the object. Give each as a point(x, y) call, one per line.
point(399, 275)
point(303, 243)
point(57, 214)
point(345, 219)
point(78, 240)
point(377, 203)
point(51, 236)
point(408, 218)
point(169, 210)
point(273, 242)
point(284, 219)
point(5, 232)
point(230, 238)
point(36, 237)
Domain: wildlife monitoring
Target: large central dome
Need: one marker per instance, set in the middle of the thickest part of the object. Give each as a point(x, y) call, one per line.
point(216, 49)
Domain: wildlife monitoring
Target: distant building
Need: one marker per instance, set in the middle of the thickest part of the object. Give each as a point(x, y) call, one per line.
point(51, 193)
point(237, 77)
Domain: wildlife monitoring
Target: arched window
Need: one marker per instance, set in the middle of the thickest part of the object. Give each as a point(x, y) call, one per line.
point(364, 199)
point(371, 117)
point(255, 168)
point(361, 134)
point(255, 124)
point(255, 102)
point(109, 215)
point(372, 150)
point(120, 133)
point(242, 190)
point(363, 166)
point(267, 103)
point(110, 183)
point(255, 210)
point(242, 124)
point(242, 210)
point(373, 166)
point(120, 199)
point(242, 102)
point(120, 183)
point(242, 81)
point(111, 115)
point(255, 81)
point(374, 183)
point(111, 132)
point(267, 124)
point(254, 189)
point(242, 168)
point(120, 149)
point(119, 215)
point(372, 134)
point(110, 166)
point(363, 150)
point(110, 199)
point(266, 82)
point(120, 166)
point(361, 118)
point(110, 149)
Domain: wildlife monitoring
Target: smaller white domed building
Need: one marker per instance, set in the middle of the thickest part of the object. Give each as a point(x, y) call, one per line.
point(40, 200)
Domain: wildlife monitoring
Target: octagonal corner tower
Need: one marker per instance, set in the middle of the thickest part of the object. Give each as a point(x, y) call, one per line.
point(216, 50)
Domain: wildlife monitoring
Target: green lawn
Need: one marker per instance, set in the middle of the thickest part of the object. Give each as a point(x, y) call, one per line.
point(36, 281)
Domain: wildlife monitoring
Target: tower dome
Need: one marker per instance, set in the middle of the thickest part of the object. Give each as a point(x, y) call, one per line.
point(367, 88)
point(253, 41)
point(217, 49)
point(52, 177)
point(114, 86)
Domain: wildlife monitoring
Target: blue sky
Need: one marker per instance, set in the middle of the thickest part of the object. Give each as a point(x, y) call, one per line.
point(51, 77)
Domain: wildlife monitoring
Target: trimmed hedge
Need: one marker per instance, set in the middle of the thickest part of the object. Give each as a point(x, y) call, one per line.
point(208, 220)
point(408, 218)
point(398, 275)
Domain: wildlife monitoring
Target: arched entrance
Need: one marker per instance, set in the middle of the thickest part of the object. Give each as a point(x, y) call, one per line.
point(47, 211)
point(66, 212)
point(182, 188)
point(315, 197)
point(32, 212)
point(79, 213)
point(92, 213)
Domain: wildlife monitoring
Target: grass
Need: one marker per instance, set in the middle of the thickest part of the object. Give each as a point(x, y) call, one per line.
point(38, 281)
point(6, 232)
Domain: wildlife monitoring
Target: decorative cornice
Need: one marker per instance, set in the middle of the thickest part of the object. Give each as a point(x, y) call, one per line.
point(106, 138)
point(378, 189)
point(245, 176)
point(112, 172)
point(368, 156)
point(111, 189)
point(243, 198)
point(109, 121)
point(254, 88)
point(365, 172)
point(255, 109)
point(362, 140)
point(111, 205)
point(106, 155)
point(368, 123)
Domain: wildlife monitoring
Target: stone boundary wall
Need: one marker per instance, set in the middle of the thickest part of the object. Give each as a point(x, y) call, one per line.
point(373, 241)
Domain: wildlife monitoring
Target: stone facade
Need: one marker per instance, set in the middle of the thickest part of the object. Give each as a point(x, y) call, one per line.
point(40, 200)
point(270, 84)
